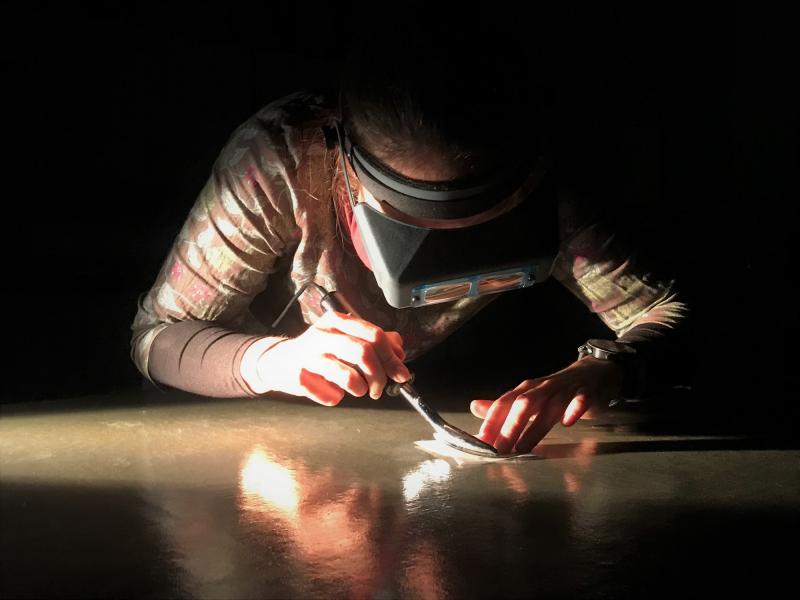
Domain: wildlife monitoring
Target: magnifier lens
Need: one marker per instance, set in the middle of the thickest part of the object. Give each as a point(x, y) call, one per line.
point(490, 284)
point(486, 284)
point(446, 292)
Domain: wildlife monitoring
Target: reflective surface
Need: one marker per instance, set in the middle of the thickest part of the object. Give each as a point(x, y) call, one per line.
point(171, 495)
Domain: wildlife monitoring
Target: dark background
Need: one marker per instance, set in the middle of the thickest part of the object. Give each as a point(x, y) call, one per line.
point(684, 123)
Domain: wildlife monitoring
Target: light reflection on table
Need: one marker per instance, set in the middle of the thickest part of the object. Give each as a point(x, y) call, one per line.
point(266, 498)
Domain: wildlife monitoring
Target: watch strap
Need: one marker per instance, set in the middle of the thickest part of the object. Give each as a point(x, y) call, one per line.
point(634, 374)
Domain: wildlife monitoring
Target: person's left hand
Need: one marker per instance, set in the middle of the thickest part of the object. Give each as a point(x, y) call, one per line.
point(519, 419)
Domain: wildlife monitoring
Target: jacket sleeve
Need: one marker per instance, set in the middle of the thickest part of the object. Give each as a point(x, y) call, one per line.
point(193, 326)
point(641, 309)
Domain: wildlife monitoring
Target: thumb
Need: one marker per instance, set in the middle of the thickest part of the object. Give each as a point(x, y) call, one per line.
point(479, 408)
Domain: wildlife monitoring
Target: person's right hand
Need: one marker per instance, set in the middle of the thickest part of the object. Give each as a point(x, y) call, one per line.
point(337, 354)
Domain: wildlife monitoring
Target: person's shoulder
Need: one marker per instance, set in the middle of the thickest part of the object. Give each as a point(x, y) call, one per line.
point(280, 129)
point(288, 116)
point(299, 109)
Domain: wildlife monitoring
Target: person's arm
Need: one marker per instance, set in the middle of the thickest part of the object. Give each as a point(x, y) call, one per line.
point(204, 358)
point(640, 311)
point(639, 308)
point(194, 330)
point(193, 327)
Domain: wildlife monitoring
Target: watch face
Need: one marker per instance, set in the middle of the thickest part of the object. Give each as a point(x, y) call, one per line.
point(612, 346)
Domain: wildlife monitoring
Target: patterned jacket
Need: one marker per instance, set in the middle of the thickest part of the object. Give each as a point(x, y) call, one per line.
point(266, 222)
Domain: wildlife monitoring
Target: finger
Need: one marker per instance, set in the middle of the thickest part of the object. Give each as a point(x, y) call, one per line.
point(517, 420)
point(575, 410)
point(358, 328)
point(479, 408)
point(340, 374)
point(397, 344)
point(498, 411)
point(361, 354)
point(319, 389)
point(391, 365)
point(496, 416)
point(548, 416)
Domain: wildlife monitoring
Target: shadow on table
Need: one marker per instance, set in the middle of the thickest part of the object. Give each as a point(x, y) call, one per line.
point(64, 540)
point(692, 445)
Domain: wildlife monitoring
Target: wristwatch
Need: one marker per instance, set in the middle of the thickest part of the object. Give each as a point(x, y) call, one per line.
point(625, 356)
point(606, 350)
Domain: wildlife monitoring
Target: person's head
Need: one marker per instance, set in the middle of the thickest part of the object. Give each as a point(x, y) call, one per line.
point(439, 136)
point(436, 102)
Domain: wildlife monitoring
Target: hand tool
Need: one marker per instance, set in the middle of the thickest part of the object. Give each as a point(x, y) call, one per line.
point(449, 434)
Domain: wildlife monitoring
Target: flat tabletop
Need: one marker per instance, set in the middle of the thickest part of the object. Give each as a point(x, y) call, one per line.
point(163, 495)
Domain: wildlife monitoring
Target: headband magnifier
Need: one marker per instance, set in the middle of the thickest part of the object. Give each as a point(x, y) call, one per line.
point(416, 266)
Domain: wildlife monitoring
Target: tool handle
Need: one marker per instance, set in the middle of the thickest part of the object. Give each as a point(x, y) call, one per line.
point(330, 301)
point(417, 403)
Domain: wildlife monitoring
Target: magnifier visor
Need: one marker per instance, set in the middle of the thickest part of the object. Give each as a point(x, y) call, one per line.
point(417, 265)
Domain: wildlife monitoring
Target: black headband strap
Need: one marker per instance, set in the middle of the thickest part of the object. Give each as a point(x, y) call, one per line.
point(432, 200)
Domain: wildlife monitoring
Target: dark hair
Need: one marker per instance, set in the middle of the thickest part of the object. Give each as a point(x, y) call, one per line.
point(466, 94)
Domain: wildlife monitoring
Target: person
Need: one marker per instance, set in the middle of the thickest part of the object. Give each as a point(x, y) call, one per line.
point(292, 199)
